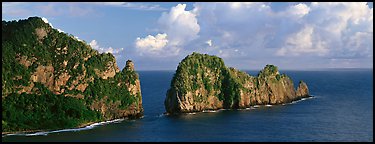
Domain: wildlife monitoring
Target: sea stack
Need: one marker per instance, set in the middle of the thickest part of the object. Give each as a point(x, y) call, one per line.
point(203, 82)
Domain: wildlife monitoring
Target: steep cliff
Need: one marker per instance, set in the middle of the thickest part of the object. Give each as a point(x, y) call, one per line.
point(203, 82)
point(53, 80)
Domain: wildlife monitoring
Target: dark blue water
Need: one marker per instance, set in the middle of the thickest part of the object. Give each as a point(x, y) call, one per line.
point(342, 110)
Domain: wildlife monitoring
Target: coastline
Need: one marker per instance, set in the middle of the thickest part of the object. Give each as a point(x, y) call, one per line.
point(244, 108)
point(83, 126)
point(90, 125)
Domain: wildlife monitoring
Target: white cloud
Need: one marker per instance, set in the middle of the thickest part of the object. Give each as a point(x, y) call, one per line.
point(302, 43)
point(259, 32)
point(46, 21)
point(60, 31)
point(180, 25)
point(339, 23)
point(94, 44)
point(316, 30)
point(209, 42)
point(228, 53)
point(298, 10)
point(115, 51)
point(152, 44)
point(155, 46)
point(74, 36)
point(233, 24)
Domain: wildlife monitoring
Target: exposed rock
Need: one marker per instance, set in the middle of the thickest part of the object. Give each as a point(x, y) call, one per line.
point(80, 96)
point(44, 75)
point(202, 82)
point(61, 81)
point(134, 89)
point(24, 61)
point(195, 85)
point(65, 63)
point(40, 33)
point(64, 67)
point(25, 89)
point(302, 90)
point(129, 65)
point(111, 70)
point(82, 87)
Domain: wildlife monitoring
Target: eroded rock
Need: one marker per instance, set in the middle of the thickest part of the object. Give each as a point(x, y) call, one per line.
point(202, 82)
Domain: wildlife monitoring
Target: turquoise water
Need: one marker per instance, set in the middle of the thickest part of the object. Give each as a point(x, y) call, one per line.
point(341, 110)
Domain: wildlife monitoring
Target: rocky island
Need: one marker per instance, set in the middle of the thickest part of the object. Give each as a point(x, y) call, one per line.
point(52, 80)
point(203, 82)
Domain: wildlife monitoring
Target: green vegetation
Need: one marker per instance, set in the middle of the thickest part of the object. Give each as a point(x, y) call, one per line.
point(197, 71)
point(231, 89)
point(200, 76)
point(28, 44)
point(192, 73)
point(100, 88)
point(44, 112)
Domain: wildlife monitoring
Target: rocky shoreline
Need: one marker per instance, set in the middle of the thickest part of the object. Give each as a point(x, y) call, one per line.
point(203, 82)
point(245, 108)
point(84, 125)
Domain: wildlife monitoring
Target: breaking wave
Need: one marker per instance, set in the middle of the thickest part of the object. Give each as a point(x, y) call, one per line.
point(67, 130)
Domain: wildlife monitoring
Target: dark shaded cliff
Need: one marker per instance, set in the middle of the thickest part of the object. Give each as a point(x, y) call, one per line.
point(203, 82)
point(52, 80)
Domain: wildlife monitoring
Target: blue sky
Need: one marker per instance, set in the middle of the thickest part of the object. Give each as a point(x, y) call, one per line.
point(157, 36)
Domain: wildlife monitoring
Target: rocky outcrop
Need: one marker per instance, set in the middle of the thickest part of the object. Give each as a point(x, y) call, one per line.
point(39, 60)
point(302, 90)
point(196, 85)
point(202, 82)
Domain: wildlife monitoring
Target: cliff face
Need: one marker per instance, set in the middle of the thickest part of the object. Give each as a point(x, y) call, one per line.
point(39, 60)
point(196, 84)
point(202, 82)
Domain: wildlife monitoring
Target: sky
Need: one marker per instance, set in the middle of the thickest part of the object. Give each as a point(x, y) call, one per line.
point(247, 35)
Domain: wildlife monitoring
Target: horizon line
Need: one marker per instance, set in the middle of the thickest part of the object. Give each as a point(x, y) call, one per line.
point(308, 69)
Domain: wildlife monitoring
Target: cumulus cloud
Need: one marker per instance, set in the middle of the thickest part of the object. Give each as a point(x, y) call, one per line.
point(181, 27)
point(302, 43)
point(298, 10)
point(151, 44)
point(94, 44)
point(318, 30)
point(337, 28)
point(255, 30)
point(115, 51)
point(233, 24)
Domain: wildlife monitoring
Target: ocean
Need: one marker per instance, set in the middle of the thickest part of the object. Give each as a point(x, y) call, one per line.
point(341, 110)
